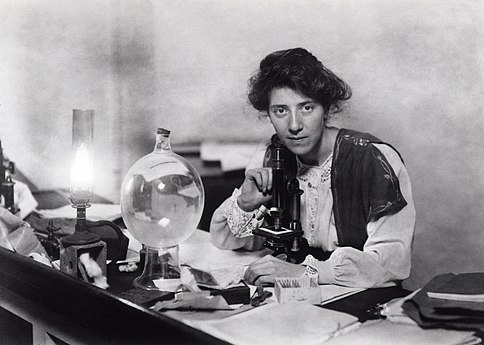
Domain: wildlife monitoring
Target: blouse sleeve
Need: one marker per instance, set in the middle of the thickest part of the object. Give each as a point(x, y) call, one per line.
point(386, 256)
point(231, 227)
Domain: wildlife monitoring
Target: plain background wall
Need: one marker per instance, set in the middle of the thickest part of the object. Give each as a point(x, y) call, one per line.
point(416, 69)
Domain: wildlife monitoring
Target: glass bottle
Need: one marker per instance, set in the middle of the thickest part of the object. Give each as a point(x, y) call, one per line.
point(162, 199)
point(51, 243)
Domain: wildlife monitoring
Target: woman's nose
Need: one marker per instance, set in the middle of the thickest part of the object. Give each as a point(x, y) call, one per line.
point(295, 124)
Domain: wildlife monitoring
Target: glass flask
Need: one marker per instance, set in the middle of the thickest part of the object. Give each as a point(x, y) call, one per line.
point(162, 199)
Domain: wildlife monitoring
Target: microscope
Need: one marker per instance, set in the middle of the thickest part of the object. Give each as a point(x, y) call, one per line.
point(7, 169)
point(283, 233)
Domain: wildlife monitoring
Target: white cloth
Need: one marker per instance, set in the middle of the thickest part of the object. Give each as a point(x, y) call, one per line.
point(386, 256)
point(24, 199)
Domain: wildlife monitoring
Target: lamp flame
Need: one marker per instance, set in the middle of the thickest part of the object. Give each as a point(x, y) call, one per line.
point(81, 176)
point(82, 167)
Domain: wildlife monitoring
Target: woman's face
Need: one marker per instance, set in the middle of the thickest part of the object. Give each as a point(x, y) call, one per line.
point(298, 121)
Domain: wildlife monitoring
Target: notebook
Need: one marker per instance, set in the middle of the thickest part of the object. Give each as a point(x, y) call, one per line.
point(468, 287)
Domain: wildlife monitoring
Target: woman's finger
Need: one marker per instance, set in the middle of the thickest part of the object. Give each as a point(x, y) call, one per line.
point(256, 178)
point(262, 178)
point(261, 280)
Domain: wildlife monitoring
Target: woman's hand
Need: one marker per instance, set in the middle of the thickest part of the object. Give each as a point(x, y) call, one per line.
point(269, 267)
point(256, 188)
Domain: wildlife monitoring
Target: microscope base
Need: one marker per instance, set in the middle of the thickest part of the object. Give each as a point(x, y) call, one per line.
point(280, 241)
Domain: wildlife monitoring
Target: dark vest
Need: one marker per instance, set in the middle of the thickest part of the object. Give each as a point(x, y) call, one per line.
point(363, 184)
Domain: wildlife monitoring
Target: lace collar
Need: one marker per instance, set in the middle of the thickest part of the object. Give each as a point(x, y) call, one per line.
point(314, 175)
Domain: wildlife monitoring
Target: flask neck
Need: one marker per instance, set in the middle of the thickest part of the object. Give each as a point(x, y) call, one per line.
point(162, 144)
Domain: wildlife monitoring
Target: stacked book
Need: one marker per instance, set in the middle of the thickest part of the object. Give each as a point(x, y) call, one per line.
point(452, 301)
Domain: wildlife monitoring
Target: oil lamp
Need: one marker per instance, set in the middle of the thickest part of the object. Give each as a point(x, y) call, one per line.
point(88, 236)
point(81, 175)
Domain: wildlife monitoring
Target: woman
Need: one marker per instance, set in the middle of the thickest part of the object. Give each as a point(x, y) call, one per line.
point(357, 209)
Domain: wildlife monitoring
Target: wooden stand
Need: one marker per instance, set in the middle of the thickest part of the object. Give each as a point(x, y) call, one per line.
point(69, 258)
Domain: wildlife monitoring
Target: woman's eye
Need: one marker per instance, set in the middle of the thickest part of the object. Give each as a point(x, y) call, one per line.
point(280, 111)
point(308, 107)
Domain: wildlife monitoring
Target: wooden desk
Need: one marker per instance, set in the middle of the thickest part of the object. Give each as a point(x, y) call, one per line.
point(56, 307)
point(39, 305)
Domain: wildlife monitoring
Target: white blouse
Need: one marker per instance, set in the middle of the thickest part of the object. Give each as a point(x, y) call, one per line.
point(386, 256)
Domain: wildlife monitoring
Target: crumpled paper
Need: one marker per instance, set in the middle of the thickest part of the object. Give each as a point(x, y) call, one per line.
point(230, 276)
point(17, 235)
point(220, 278)
point(189, 296)
point(199, 300)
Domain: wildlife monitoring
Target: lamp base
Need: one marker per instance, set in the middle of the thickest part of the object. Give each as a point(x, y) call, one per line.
point(80, 238)
point(161, 269)
point(70, 263)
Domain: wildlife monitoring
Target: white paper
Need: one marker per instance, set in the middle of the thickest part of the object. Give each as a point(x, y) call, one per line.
point(167, 284)
point(198, 252)
point(384, 332)
point(289, 323)
point(331, 293)
point(394, 312)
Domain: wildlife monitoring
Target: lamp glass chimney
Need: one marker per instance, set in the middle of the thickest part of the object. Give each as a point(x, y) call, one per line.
point(82, 157)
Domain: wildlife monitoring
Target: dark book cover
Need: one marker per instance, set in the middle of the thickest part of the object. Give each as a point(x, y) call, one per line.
point(464, 286)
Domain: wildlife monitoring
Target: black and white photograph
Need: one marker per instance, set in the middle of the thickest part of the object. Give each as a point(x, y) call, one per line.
point(241, 172)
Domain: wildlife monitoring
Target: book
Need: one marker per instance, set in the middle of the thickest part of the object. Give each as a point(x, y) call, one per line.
point(288, 323)
point(467, 287)
point(443, 313)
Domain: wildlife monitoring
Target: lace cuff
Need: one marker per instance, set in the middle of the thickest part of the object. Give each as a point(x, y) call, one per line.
point(240, 223)
point(311, 267)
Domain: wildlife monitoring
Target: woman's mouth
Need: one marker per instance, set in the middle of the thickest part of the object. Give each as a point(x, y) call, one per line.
point(297, 139)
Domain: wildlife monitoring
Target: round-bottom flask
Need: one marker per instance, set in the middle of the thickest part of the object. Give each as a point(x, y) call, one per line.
point(161, 269)
point(162, 201)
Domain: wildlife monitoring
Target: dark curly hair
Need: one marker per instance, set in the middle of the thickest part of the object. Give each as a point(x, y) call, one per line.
point(299, 70)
